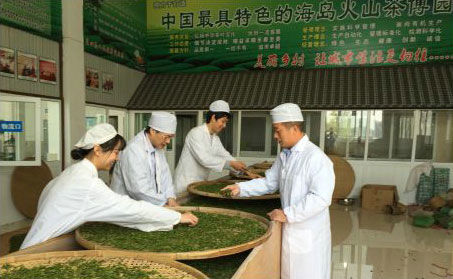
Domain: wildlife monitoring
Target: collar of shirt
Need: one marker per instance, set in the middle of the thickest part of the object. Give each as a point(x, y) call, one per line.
point(148, 145)
point(90, 166)
point(298, 147)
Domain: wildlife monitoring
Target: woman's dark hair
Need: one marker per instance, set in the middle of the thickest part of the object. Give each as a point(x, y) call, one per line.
point(79, 153)
point(217, 115)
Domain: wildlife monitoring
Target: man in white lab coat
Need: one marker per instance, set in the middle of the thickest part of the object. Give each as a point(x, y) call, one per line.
point(203, 151)
point(142, 171)
point(305, 177)
point(78, 195)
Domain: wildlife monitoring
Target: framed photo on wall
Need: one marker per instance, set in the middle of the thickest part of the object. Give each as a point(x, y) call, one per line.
point(47, 71)
point(7, 62)
point(27, 65)
point(107, 83)
point(92, 78)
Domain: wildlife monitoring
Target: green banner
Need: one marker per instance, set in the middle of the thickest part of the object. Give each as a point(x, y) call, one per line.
point(201, 36)
point(40, 17)
point(116, 30)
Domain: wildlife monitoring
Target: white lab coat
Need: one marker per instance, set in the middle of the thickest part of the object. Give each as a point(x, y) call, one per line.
point(202, 153)
point(306, 182)
point(142, 172)
point(77, 196)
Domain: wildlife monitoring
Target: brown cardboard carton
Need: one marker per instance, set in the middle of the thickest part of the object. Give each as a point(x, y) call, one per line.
point(377, 197)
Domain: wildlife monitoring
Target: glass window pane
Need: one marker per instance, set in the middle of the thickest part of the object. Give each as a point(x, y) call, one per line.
point(391, 135)
point(141, 121)
point(94, 116)
point(441, 126)
point(345, 133)
point(50, 131)
point(253, 133)
point(18, 131)
point(425, 137)
point(312, 125)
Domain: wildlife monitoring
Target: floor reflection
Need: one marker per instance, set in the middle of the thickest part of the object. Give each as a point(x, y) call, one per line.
point(368, 245)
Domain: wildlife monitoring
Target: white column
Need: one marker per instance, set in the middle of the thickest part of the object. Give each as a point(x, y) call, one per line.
point(73, 75)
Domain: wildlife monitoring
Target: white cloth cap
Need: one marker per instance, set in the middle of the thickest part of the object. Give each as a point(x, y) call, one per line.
point(163, 121)
point(219, 106)
point(288, 112)
point(98, 134)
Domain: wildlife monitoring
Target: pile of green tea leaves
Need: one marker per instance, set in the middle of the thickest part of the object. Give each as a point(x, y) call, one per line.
point(258, 207)
point(213, 231)
point(77, 269)
point(216, 188)
point(213, 188)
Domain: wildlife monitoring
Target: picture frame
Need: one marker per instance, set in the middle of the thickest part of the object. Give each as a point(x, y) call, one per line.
point(27, 66)
point(47, 71)
point(7, 62)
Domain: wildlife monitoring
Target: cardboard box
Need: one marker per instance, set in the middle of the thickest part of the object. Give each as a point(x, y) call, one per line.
point(377, 197)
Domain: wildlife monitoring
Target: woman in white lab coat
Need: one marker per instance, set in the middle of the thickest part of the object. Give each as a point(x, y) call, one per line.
point(77, 195)
point(305, 177)
point(203, 151)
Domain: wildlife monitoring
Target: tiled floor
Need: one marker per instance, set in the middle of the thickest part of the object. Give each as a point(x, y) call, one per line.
point(367, 245)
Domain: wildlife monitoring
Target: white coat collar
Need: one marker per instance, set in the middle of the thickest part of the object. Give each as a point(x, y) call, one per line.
point(90, 166)
point(148, 145)
point(300, 144)
point(207, 129)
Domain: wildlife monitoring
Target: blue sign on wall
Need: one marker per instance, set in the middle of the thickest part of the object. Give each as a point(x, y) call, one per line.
point(11, 126)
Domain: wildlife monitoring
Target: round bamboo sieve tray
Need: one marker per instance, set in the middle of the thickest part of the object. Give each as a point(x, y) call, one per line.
point(192, 188)
point(27, 183)
point(165, 267)
point(263, 165)
point(344, 177)
point(192, 255)
point(247, 177)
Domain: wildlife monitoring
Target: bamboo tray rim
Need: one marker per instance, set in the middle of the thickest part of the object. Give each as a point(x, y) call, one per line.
point(192, 188)
point(195, 255)
point(101, 255)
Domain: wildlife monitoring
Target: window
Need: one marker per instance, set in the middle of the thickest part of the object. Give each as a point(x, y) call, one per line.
point(94, 116)
point(141, 121)
point(50, 131)
point(20, 135)
point(312, 125)
point(435, 138)
point(345, 133)
point(256, 135)
point(391, 135)
point(118, 119)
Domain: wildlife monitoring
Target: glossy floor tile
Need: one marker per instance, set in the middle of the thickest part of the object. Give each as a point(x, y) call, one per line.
point(368, 245)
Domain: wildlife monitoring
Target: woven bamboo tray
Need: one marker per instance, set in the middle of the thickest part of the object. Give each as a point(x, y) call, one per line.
point(245, 176)
point(166, 267)
point(192, 188)
point(263, 165)
point(344, 177)
point(206, 254)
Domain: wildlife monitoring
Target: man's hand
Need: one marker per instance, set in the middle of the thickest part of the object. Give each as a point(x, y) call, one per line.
point(189, 218)
point(278, 215)
point(238, 165)
point(234, 188)
point(171, 202)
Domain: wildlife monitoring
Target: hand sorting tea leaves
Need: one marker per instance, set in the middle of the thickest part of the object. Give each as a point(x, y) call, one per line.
point(226, 193)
